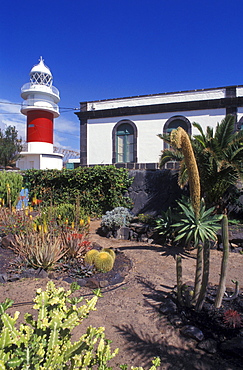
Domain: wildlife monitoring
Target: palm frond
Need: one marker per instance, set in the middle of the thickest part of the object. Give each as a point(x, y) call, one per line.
point(165, 138)
point(224, 131)
point(183, 174)
point(170, 155)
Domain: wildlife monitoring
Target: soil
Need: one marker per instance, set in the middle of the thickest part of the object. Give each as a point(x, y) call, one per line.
point(130, 309)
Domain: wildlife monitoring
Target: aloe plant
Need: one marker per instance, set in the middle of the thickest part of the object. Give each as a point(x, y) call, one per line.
point(40, 249)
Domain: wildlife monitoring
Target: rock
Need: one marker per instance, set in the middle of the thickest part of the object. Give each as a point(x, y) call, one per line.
point(40, 273)
point(104, 283)
point(169, 307)
point(3, 278)
point(143, 239)
point(92, 283)
point(150, 241)
point(68, 280)
point(51, 275)
point(233, 346)
point(14, 277)
point(192, 332)
point(82, 282)
point(8, 241)
point(29, 273)
point(176, 321)
point(208, 345)
point(123, 233)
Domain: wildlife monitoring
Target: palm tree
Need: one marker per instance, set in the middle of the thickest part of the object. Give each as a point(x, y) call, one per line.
point(219, 158)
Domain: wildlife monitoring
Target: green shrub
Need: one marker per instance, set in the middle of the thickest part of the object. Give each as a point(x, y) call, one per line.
point(146, 218)
point(45, 342)
point(164, 224)
point(99, 188)
point(63, 214)
point(10, 187)
point(14, 222)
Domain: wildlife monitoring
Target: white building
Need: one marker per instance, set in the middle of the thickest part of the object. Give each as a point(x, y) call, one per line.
point(124, 131)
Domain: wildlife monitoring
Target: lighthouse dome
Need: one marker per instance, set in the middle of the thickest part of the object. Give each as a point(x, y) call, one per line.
point(40, 74)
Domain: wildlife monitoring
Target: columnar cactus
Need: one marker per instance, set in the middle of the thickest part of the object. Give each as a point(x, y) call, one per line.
point(222, 280)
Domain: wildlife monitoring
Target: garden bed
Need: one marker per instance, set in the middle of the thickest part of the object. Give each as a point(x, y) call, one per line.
point(131, 310)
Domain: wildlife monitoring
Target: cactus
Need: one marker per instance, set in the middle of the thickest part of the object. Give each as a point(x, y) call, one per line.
point(205, 275)
point(45, 343)
point(110, 251)
point(179, 279)
point(104, 261)
point(222, 280)
point(90, 256)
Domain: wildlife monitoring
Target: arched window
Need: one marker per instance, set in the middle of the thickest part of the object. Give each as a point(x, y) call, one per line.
point(175, 122)
point(124, 142)
point(172, 124)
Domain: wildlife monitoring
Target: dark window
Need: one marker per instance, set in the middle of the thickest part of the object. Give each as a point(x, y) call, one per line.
point(175, 122)
point(124, 142)
point(172, 124)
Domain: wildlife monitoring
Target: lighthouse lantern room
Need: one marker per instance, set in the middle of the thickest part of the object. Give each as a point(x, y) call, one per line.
point(40, 106)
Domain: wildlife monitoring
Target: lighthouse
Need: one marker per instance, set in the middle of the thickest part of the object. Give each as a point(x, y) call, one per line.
point(40, 106)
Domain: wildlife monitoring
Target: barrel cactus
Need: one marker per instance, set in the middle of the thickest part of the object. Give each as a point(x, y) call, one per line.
point(90, 256)
point(110, 251)
point(104, 261)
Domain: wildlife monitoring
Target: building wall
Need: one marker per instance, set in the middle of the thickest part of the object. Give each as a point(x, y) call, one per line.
point(51, 161)
point(149, 145)
point(40, 161)
point(182, 96)
point(27, 162)
point(150, 114)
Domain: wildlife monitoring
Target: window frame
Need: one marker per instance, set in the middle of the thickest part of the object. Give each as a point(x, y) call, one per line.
point(115, 141)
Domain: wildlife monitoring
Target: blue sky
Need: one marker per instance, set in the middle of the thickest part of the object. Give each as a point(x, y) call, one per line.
point(102, 49)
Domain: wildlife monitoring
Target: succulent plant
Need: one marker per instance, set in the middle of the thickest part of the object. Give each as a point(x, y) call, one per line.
point(110, 251)
point(104, 261)
point(90, 256)
point(118, 217)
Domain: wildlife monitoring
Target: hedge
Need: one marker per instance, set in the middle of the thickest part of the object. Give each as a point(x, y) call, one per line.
point(99, 188)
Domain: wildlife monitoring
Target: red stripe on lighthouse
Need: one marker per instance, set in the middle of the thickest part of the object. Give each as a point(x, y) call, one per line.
point(40, 126)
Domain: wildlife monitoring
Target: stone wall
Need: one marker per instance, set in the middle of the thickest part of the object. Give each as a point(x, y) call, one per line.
point(153, 191)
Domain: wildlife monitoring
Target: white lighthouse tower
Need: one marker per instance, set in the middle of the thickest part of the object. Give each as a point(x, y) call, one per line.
point(40, 107)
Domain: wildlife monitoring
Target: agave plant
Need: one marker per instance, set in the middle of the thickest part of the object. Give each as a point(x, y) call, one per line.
point(164, 224)
point(196, 229)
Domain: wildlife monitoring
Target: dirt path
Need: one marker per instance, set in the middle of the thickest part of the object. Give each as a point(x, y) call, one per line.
point(129, 311)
